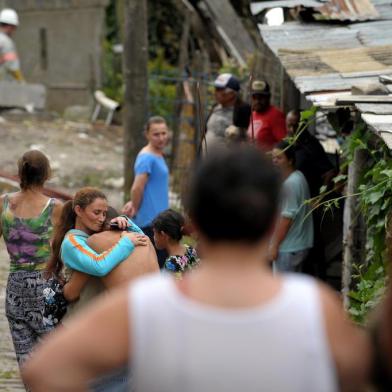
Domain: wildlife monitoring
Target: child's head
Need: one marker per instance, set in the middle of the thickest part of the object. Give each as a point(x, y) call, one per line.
point(168, 227)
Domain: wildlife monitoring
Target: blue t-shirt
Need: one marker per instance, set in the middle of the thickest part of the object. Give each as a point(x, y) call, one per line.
point(300, 235)
point(156, 192)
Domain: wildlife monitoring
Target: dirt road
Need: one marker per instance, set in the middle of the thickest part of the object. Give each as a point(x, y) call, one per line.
point(80, 155)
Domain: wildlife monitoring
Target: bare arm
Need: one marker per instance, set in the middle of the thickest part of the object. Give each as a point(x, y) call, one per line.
point(282, 228)
point(95, 342)
point(137, 190)
point(350, 346)
point(1, 211)
point(75, 285)
point(58, 205)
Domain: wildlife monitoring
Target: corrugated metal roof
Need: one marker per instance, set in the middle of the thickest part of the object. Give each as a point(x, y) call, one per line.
point(320, 57)
point(326, 61)
point(371, 108)
point(352, 10)
point(259, 6)
point(384, 8)
point(342, 10)
point(347, 63)
point(381, 124)
point(296, 35)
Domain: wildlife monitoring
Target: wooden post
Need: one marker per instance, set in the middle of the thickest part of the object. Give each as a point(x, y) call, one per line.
point(135, 58)
point(182, 62)
point(352, 247)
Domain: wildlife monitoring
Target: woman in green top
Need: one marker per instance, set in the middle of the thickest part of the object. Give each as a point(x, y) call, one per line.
point(26, 223)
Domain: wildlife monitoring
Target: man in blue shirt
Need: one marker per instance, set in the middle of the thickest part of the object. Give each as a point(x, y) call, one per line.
point(150, 188)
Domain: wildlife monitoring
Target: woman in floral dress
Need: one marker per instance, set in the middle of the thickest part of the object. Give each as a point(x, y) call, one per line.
point(26, 223)
point(168, 229)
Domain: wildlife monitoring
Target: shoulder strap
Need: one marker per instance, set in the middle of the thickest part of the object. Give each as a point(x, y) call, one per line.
point(5, 201)
point(48, 209)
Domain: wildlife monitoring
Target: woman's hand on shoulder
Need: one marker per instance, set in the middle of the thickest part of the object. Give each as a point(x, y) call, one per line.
point(121, 221)
point(136, 238)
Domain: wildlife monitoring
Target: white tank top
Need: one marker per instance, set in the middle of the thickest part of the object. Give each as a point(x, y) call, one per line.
point(180, 345)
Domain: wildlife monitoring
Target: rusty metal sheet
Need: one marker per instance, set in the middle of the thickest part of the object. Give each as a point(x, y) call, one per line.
point(347, 63)
point(348, 10)
point(341, 10)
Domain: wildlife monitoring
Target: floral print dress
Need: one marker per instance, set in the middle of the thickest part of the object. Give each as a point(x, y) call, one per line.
point(28, 246)
point(179, 264)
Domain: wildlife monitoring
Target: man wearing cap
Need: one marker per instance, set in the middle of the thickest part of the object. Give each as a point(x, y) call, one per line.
point(227, 87)
point(268, 125)
point(9, 60)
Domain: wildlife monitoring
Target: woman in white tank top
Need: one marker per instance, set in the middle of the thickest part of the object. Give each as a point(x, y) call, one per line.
point(230, 325)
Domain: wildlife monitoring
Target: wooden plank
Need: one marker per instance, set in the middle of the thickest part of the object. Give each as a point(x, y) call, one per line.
point(231, 29)
point(387, 137)
point(384, 108)
point(351, 224)
point(375, 119)
point(351, 100)
point(367, 73)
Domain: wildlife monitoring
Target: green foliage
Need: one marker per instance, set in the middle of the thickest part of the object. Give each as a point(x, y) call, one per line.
point(232, 67)
point(165, 24)
point(113, 85)
point(359, 138)
point(375, 197)
point(161, 86)
point(309, 114)
point(161, 83)
point(368, 292)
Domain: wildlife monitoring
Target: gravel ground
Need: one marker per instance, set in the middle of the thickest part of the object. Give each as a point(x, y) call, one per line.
point(80, 154)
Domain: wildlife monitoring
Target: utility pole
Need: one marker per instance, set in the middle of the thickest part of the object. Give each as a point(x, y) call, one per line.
point(135, 58)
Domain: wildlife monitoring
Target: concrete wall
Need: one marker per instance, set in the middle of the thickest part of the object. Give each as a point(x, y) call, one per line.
point(59, 43)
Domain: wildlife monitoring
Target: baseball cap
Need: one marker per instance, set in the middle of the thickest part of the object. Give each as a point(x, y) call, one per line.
point(227, 80)
point(260, 87)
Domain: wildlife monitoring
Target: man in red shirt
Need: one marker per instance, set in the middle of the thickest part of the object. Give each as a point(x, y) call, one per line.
point(268, 123)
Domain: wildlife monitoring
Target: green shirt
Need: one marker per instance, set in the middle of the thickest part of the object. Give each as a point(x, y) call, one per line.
point(300, 234)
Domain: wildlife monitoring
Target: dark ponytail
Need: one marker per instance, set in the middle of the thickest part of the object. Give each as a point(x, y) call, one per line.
point(170, 222)
point(33, 169)
point(66, 223)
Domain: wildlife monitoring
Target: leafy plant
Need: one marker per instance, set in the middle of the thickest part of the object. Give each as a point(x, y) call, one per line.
point(370, 288)
point(375, 198)
point(162, 87)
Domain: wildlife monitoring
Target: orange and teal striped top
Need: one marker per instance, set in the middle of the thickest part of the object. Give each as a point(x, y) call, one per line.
point(77, 255)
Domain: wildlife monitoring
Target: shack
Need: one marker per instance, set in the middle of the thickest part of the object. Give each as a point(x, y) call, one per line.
point(335, 58)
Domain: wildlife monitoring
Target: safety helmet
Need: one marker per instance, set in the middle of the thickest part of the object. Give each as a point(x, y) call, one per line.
point(9, 16)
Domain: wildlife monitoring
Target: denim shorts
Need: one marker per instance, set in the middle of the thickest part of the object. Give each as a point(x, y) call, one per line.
point(290, 261)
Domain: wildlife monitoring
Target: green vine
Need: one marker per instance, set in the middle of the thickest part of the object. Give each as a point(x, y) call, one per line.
point(375, 198)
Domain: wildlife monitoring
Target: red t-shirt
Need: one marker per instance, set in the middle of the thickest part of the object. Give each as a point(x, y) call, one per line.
point(269, 127)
